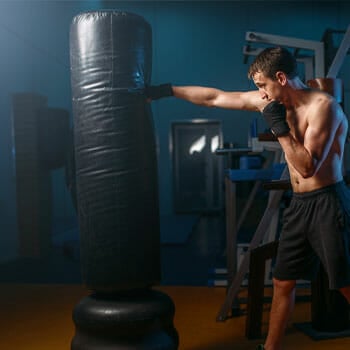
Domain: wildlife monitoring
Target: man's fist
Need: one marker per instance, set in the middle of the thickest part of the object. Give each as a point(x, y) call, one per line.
point(275, 116)
point(155, 92)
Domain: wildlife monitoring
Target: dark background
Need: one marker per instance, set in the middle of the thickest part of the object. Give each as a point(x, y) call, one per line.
point(194, 43)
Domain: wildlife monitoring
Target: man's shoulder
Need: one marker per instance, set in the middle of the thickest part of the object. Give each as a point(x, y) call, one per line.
point(320, 100)
point(323, 106)
point(319, 96)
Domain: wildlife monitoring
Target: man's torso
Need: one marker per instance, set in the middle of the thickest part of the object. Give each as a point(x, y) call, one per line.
point(331, 169)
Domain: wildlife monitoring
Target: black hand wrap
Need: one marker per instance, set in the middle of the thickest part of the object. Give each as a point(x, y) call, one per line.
point(275, 116)
point(155, 92)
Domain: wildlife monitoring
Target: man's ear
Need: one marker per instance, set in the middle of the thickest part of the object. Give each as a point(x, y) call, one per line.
point(281, 78)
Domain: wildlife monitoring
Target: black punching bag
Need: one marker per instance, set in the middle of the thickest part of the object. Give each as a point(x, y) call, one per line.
point(115, 151)
point(117, 190)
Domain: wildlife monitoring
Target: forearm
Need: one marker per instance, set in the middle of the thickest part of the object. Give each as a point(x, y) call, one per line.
point(199, 95)
point(298, 156)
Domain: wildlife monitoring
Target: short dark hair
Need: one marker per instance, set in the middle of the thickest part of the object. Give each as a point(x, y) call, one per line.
point(271, 60)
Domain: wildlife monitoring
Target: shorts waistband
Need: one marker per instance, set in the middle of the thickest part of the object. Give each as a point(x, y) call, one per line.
point(314, 193)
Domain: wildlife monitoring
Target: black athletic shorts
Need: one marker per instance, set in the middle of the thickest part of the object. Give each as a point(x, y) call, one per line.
point(316, 229)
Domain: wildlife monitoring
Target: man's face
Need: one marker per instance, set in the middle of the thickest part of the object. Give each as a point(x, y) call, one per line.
point(269, 89)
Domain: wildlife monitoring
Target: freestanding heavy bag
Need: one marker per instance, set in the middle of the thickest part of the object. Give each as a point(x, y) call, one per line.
point(116, 170)
point(117, 197)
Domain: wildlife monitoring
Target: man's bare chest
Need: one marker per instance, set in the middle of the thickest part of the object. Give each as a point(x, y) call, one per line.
point(298, 124)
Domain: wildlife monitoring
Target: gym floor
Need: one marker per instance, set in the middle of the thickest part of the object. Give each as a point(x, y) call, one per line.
point(37, 298)
point(39, 317)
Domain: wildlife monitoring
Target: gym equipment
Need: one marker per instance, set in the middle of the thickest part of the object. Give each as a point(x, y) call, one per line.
point(131, 321)
point(33, 182)
point(53, 130)
point(39, 137)
point(115, 157)
point(317, 65)
point(339, 56)
point(317, 47)
point(117, 189)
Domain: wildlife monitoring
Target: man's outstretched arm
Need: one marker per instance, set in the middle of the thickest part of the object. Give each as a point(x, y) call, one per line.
point(209, 97)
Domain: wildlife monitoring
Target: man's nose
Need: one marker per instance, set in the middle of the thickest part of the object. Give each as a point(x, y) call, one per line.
point(262, 93)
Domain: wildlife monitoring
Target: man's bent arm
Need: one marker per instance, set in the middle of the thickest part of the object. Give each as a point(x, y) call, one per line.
point(297, 155)
point(308, 157)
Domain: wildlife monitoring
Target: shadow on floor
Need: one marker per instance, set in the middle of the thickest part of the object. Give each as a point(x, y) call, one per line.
point(184, 264)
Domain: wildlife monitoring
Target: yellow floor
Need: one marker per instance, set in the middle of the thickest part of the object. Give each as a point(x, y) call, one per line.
point(39, 317)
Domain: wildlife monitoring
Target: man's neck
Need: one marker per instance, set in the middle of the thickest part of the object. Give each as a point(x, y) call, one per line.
point(296, 84)
point(294, 93)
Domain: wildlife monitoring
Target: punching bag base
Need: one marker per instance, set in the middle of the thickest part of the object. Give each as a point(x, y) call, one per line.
point(142, 320)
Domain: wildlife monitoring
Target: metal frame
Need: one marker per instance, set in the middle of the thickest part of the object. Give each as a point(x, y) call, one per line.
point(340, 55)
point(316, 46)
point(308, 61)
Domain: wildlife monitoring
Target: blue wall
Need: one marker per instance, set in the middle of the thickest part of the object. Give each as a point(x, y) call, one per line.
point(34, 41)
point(193, 43)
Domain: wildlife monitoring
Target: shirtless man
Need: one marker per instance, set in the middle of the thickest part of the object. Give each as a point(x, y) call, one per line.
point(311, 129)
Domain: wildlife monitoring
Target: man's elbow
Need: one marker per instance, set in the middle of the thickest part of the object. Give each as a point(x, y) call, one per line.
point(307, 173)
point(212, 102)
point(309, 170)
